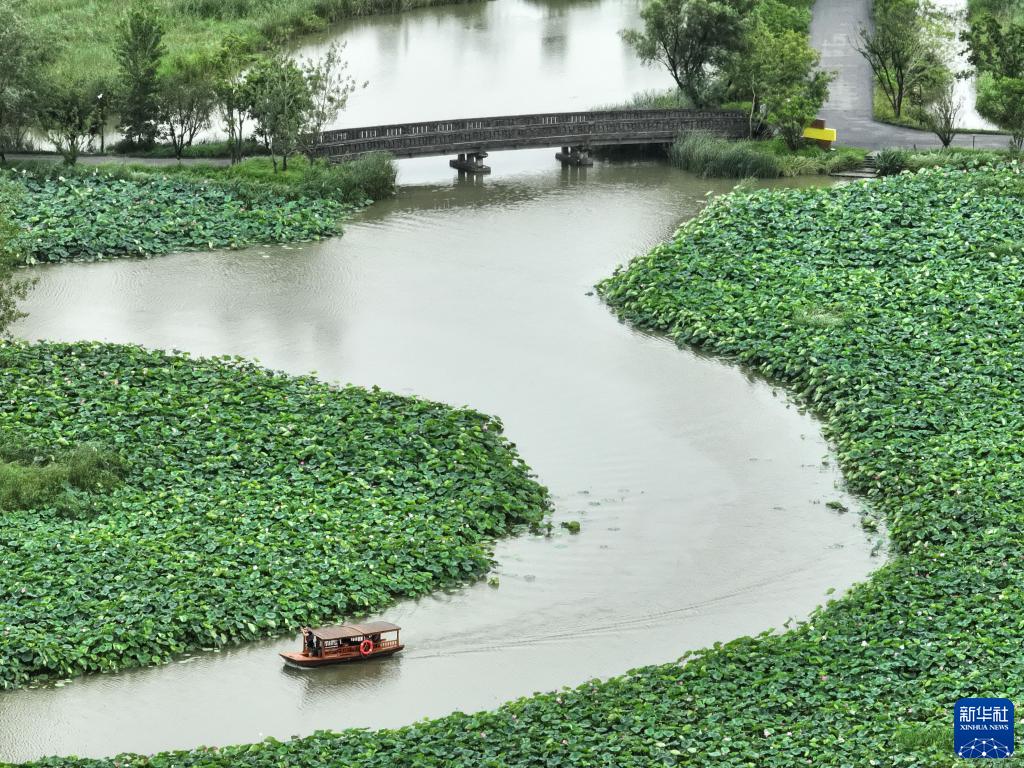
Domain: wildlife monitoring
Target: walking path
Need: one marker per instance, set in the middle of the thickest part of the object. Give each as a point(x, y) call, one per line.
point(834, 29)
point(117, 159)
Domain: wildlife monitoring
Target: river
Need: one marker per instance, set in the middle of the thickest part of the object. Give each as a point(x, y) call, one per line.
point(701, 490)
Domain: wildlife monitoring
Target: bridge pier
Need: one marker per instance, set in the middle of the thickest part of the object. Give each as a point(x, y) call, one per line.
point(470, 162)
point(578, 156)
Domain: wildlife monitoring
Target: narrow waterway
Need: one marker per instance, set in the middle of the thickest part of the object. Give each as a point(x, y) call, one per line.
point(700, 491)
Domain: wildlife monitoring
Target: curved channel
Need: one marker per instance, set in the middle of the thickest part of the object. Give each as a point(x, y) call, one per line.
point(701, 491)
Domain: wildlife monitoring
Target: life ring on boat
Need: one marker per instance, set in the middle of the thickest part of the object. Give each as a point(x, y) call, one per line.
point(366, 647)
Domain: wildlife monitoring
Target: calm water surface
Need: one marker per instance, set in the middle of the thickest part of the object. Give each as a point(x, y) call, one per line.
point(700, 491)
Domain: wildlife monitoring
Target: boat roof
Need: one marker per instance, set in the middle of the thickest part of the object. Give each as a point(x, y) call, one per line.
point(353, 630)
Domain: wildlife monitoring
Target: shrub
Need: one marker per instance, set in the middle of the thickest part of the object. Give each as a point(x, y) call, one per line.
point(32, 477)
point(365, 179)
point(889, 162)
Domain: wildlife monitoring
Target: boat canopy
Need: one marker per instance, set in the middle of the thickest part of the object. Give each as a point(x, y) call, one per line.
point(346, 631)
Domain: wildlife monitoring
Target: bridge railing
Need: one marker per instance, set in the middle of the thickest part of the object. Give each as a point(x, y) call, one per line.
point(512, 131)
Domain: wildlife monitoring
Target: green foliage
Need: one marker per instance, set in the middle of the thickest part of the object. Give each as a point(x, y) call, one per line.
point(357, 182)
point(278, 98)
point(1001, 100)
point(67, 112)
point(60, 480)
point(905, 49)
point(690, 38)
point(186, 96)
point(23, 54)
point(710, 156)
point(714, 157)
point(138, 47)
point(942, 113)
point(95, 215)
point(367, 178)
point(893, 161)
point(253, 502)
point(194, 26)
point(995, 42)
point(776, 72)
point(329, 85)
point(13, 286)
point(671, 99)
point(198, 150)
point(919, 389)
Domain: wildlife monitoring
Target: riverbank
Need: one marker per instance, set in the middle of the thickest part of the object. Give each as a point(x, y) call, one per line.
point(115, 211)
point(194, 26)
point(899, 329)
point(249, 502)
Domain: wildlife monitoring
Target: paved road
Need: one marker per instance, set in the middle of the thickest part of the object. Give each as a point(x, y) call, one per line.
point(834, 28)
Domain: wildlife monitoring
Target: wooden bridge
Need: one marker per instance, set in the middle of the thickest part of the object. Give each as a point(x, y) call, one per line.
point(576, 133)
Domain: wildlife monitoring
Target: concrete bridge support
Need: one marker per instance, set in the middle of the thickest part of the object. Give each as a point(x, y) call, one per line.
point(470, 162)
point(578, 156)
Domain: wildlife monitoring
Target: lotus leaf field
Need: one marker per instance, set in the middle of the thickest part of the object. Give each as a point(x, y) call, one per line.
point(94, 216)
point(251, 502)
point(895, 309)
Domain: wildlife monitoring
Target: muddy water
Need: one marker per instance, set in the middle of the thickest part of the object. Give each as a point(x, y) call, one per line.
point(700, 491)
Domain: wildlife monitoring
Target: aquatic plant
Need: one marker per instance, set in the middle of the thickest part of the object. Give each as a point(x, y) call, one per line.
point(920, 389)
point(714, 157)
point(247, 502)
point(88, 216)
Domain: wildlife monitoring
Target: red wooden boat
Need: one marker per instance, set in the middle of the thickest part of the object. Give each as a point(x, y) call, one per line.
point(348, 642)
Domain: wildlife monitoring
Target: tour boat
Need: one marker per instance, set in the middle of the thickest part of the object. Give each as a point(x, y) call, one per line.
point(348, 642)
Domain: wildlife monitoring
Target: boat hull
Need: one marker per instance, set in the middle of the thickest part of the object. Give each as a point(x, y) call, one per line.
point(301, 660)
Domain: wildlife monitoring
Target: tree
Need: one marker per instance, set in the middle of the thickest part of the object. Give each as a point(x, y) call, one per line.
point(67, 114)
point(186, 96)
point(231, 93)
point(329, 86)
point(778, 73)
point(997, 51)
point(138, 48)
point(12, 285)
point(691, 39)
point(792, 108)
point(278, 99)
point(1001, 100)
point(942, 113)
point(903, 49)
point(23, 56)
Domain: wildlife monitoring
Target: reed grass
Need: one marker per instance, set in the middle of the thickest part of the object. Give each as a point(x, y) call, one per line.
point(711, 156)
